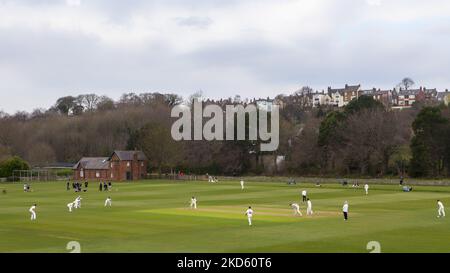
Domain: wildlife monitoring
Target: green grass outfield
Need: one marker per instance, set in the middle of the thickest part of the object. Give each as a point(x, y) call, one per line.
point(154, 217)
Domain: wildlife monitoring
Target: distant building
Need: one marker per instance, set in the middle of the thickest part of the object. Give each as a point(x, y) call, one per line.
point(120, 166)
point(406, 98)
point(321, 98)
point(386, 97)
point(443, 97)
point(342, 96)
point(265, 104)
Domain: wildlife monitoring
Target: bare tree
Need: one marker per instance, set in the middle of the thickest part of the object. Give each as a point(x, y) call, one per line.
point(197, 95)
point(370, 138)
point(406, 83)
point(5, 152)
point(105, 103)
point(156, 142)
point(88, 101)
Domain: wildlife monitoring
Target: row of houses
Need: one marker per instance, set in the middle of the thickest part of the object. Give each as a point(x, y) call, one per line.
point(339, 97)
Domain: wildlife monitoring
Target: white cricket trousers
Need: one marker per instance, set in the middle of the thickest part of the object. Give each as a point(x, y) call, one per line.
point(249, 221)
point(107, 203)
point(441, 212)
point(309, 211)
point(33, 215)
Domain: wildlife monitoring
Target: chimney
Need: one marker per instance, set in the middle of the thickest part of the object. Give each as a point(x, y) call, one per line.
point(346, 86)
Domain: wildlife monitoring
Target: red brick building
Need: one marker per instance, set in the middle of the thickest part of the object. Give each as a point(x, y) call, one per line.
point(120, 166)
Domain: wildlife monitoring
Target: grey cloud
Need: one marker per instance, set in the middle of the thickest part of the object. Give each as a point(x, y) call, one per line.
point(194, 21)
point(43, 65)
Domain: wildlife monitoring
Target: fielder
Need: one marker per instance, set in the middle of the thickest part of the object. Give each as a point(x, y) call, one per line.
point(309, 207)
point(366, 188)
point(78, 202)
point(345, 210)
point(193, 202)
point(249, 214)
point(441, 209)
point(70, 206)
point(296, 209)
point(108, 202)
point(242, 184)
point(33, 212)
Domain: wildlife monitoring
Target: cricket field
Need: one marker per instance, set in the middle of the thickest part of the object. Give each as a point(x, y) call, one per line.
point(154, 216)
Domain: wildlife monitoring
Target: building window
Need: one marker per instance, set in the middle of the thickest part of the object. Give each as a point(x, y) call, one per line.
point(112, 175)
point(112, 165)
point(97, 174)
point(81, 173)
point(142, 164)
point(128, 164)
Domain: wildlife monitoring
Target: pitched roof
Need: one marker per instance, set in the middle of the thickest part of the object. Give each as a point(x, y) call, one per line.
point(432, 91)
point(129, 155)
point(93, 163)
point(352, 88)
point(372, 92)
point(403, 92)
point(347, 88)
point(335, 90)
point(442, 95)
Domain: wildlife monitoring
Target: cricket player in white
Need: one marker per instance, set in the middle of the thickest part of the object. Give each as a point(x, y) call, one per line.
point(441, 209)
point(242, 184)
point(108, 202)
point(249, 214)
point(296, 208)
point(78, 202)
point(309, 207)
point(304, 196)
point(345, 210)
point(366, 188)
point(70, 206)
point(193, 202)
point(33, 212)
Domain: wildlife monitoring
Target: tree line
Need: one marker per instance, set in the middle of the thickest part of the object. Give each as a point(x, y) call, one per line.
point(362, 139)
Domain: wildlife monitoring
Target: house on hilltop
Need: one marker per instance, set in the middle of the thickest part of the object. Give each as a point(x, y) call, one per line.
point(342, 96)
point(386, 97)
point(407, 97)
point(444, 97)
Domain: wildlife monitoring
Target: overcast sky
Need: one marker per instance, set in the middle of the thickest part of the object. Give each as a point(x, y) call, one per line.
point(255, 48)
